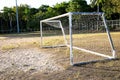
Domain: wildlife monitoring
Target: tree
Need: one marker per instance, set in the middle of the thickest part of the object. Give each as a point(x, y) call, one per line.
point(78, 6)
point(43, 8)
point(110, 7)
point(24, 15)
point(8, 15)
point(116, 4)
point(33, 11)
point(96, 2)
point(1, 18)
point(61, 8)
point(50, 12)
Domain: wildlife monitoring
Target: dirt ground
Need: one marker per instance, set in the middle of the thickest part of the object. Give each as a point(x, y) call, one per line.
point(21, 58)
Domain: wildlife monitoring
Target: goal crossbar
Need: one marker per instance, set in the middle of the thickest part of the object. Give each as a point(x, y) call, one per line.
point(70, 13)
point(63, 15)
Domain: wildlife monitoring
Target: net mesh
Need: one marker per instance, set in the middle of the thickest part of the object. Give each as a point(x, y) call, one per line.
point(55, 32)
point(88, 32)
point(55, 23)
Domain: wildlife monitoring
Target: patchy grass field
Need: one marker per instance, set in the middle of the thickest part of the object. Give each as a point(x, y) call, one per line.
point(97, 42)
point(21, 58)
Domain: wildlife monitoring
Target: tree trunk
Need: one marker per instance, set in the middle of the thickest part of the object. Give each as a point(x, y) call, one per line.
point(10, 24)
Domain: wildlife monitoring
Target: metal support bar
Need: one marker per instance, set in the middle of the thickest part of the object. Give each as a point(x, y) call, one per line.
point(18, 29)
point(92, 52)
point(67, 14)
point(70, 33)
point(88, 13)
point(56, 17)
point(41, 34)
point(63, 33)
point(109, 37)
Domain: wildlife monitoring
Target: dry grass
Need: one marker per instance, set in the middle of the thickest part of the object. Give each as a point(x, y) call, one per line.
point(13, 41)
point(9, 47)
point(48, 41)
point(2, 38)
point(97, 42)
point(15, 45)
point(104, 70)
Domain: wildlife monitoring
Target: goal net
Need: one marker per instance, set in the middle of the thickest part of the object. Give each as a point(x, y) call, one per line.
point(85, 34)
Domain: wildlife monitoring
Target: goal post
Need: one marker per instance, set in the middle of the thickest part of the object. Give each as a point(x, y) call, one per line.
point(81, 32)
point(109, 37)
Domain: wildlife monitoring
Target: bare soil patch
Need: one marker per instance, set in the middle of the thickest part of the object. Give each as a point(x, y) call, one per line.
point(22, 56)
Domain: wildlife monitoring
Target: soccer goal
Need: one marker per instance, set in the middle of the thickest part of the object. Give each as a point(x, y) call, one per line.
point(85, 34)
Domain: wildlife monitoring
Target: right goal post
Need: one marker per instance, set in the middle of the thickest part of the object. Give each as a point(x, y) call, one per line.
point(82, 33)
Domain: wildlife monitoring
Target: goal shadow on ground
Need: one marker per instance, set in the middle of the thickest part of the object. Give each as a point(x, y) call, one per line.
point(95, 61)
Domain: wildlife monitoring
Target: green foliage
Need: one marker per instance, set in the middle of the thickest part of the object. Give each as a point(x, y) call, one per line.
point(96, 2)
point(61, 8)
point(110, 7)
point(43, 8)
point(51, 12)
point(78, 6)
point(8, 16)
point(29, 17)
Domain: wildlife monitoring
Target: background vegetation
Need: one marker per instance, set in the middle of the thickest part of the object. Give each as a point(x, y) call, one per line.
point(29, 17)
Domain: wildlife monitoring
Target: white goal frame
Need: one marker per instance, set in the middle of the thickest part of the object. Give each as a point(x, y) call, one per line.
point(63, 32)
point(70, 45)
